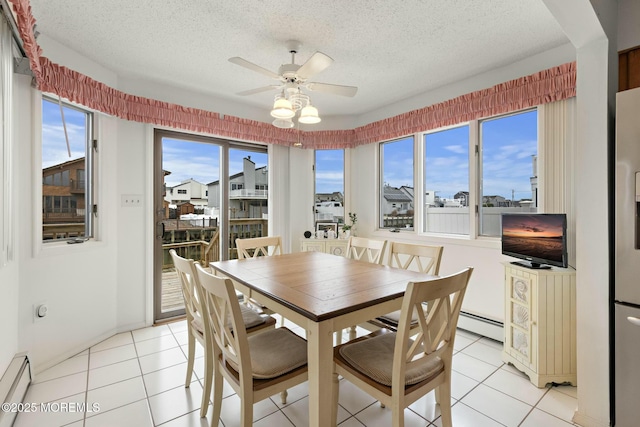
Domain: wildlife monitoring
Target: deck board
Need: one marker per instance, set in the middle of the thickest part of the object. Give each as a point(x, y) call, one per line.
point(171, 291)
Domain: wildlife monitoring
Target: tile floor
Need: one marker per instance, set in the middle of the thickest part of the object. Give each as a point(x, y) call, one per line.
point(137, 379)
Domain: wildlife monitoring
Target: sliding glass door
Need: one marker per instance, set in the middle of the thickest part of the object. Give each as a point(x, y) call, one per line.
point(208, 192)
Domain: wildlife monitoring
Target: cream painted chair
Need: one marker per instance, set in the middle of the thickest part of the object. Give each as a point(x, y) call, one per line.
point(255, 247)
point(256, 367)
point(399, 368)
point(259, 246)
point(422, 258)
point(253, 321)
point(363, 249)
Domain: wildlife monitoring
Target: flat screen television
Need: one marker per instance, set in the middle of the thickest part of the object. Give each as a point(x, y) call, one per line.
point(538, 239)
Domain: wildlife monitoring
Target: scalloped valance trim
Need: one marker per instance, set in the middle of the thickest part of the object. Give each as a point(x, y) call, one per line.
point(549, 85)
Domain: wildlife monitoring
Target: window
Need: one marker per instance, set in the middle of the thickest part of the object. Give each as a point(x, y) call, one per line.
point(446, 181)
point(470, 174)
point(509, 176)
point(66, 168)
point(329, 199)
point(182, 191)
point(396, 197)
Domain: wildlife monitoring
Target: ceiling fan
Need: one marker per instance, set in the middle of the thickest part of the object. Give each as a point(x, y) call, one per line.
point(292, 79)
point(292, 76)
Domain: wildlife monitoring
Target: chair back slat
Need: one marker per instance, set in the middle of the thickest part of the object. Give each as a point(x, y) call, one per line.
point(363, 249)
point(259, 246)
point(186, 274)
point(225, 326)
point(421, 258)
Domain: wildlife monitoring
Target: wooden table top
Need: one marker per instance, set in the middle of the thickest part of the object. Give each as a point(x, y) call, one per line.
point(317, 285)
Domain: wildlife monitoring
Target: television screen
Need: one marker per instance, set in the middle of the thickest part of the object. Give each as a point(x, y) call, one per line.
point(537, 238)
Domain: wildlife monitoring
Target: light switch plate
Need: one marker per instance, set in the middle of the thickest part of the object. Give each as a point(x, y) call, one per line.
point(131, 200)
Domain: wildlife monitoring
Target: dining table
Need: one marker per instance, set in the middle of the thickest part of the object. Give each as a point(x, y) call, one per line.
point(321, 293)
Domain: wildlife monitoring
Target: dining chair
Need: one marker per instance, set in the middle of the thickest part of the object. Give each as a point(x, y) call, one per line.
point(255, 247)
point(407, 256)
point(259, 246)
point(253, 322)
point(256, 366)
point(363, 249)
point(397, 368)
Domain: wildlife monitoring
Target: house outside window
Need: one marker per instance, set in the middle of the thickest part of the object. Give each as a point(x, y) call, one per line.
point(67, 193)
point(397, 192)
point(329, 186)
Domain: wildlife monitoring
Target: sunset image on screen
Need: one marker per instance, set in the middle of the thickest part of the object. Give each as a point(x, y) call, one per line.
point(537, 236)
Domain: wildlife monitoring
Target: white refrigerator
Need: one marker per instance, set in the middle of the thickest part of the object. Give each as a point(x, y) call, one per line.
point(626, 347)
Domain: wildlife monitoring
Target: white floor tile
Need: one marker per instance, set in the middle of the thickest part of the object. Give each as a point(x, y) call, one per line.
point(558, 404)
point(351, 422)
point(57, 388)
point(472, 367)
point(231, 410)
point(352, 398)
point(539, 418)
point(298, 412)
point(461, 342)
point(161, 360)
point(175, 403)
point(70, 366)
point(199, 350)
point(426, 406)
point(497, 405)
point(568, 390)
point(166, 379)
point(55, 416)
point(192, 419)
point(111, 356)
point(114, 373)
point(150, 332)
point(182, 337)
point(294, 394)
point(376, 416)
point(464, 416)
point(461, 385)
point(467, 334)
point(155, 345)
point(515, 386)
point(486, 353)
point(277, 419)
point(179, 326)
point(116, 395)
point(135, 414)
point(115, 341)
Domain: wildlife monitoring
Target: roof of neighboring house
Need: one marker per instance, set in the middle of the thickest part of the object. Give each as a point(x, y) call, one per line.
point(63, 165)
point(239, 174)
point(392, 194)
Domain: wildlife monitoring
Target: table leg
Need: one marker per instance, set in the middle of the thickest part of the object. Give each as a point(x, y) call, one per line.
point(320, 359)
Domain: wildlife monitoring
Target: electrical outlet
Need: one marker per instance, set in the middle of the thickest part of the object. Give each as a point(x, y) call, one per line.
point(131, 200)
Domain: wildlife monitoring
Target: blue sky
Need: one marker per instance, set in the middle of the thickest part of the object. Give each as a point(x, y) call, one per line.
point(508, 144)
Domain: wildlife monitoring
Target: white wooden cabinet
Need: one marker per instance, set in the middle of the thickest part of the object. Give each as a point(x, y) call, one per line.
point(330, 246)
point(540, 323)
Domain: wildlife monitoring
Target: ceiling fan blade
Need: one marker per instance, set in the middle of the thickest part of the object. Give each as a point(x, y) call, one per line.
point(334, 89)
point(318, 62)
point(250, 65)
point(258, 90)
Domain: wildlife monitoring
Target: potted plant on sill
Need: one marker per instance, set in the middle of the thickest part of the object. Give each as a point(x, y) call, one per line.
point(347, 229)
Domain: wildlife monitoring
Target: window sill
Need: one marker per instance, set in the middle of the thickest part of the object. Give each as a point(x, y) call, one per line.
point(62, 247)
point(411, 236)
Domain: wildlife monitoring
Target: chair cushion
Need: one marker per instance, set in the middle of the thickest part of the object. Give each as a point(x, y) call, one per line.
point(276, 352)
point(250, 318)
point(393, 318)
point(374, 358)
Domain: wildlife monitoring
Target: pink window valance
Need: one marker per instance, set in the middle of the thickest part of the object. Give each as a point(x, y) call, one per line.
point(549, 85)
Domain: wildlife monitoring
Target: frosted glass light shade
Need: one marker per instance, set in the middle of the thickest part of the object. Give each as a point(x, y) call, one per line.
point(282, 109)
point(283, 123)
point(309, 115)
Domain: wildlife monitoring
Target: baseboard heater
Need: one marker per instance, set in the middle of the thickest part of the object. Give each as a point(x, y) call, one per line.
point(481, 325)
point(13, 386)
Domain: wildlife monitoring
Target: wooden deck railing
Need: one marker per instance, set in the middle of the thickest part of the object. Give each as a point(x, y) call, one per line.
point(199, 250)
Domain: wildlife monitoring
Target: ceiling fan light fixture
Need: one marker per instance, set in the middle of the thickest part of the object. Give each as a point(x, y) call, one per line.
point(282, 109)
point(309, 115)
point(283, 123)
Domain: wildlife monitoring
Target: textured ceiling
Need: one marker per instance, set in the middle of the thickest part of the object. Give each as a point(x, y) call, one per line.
point(389, 49)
